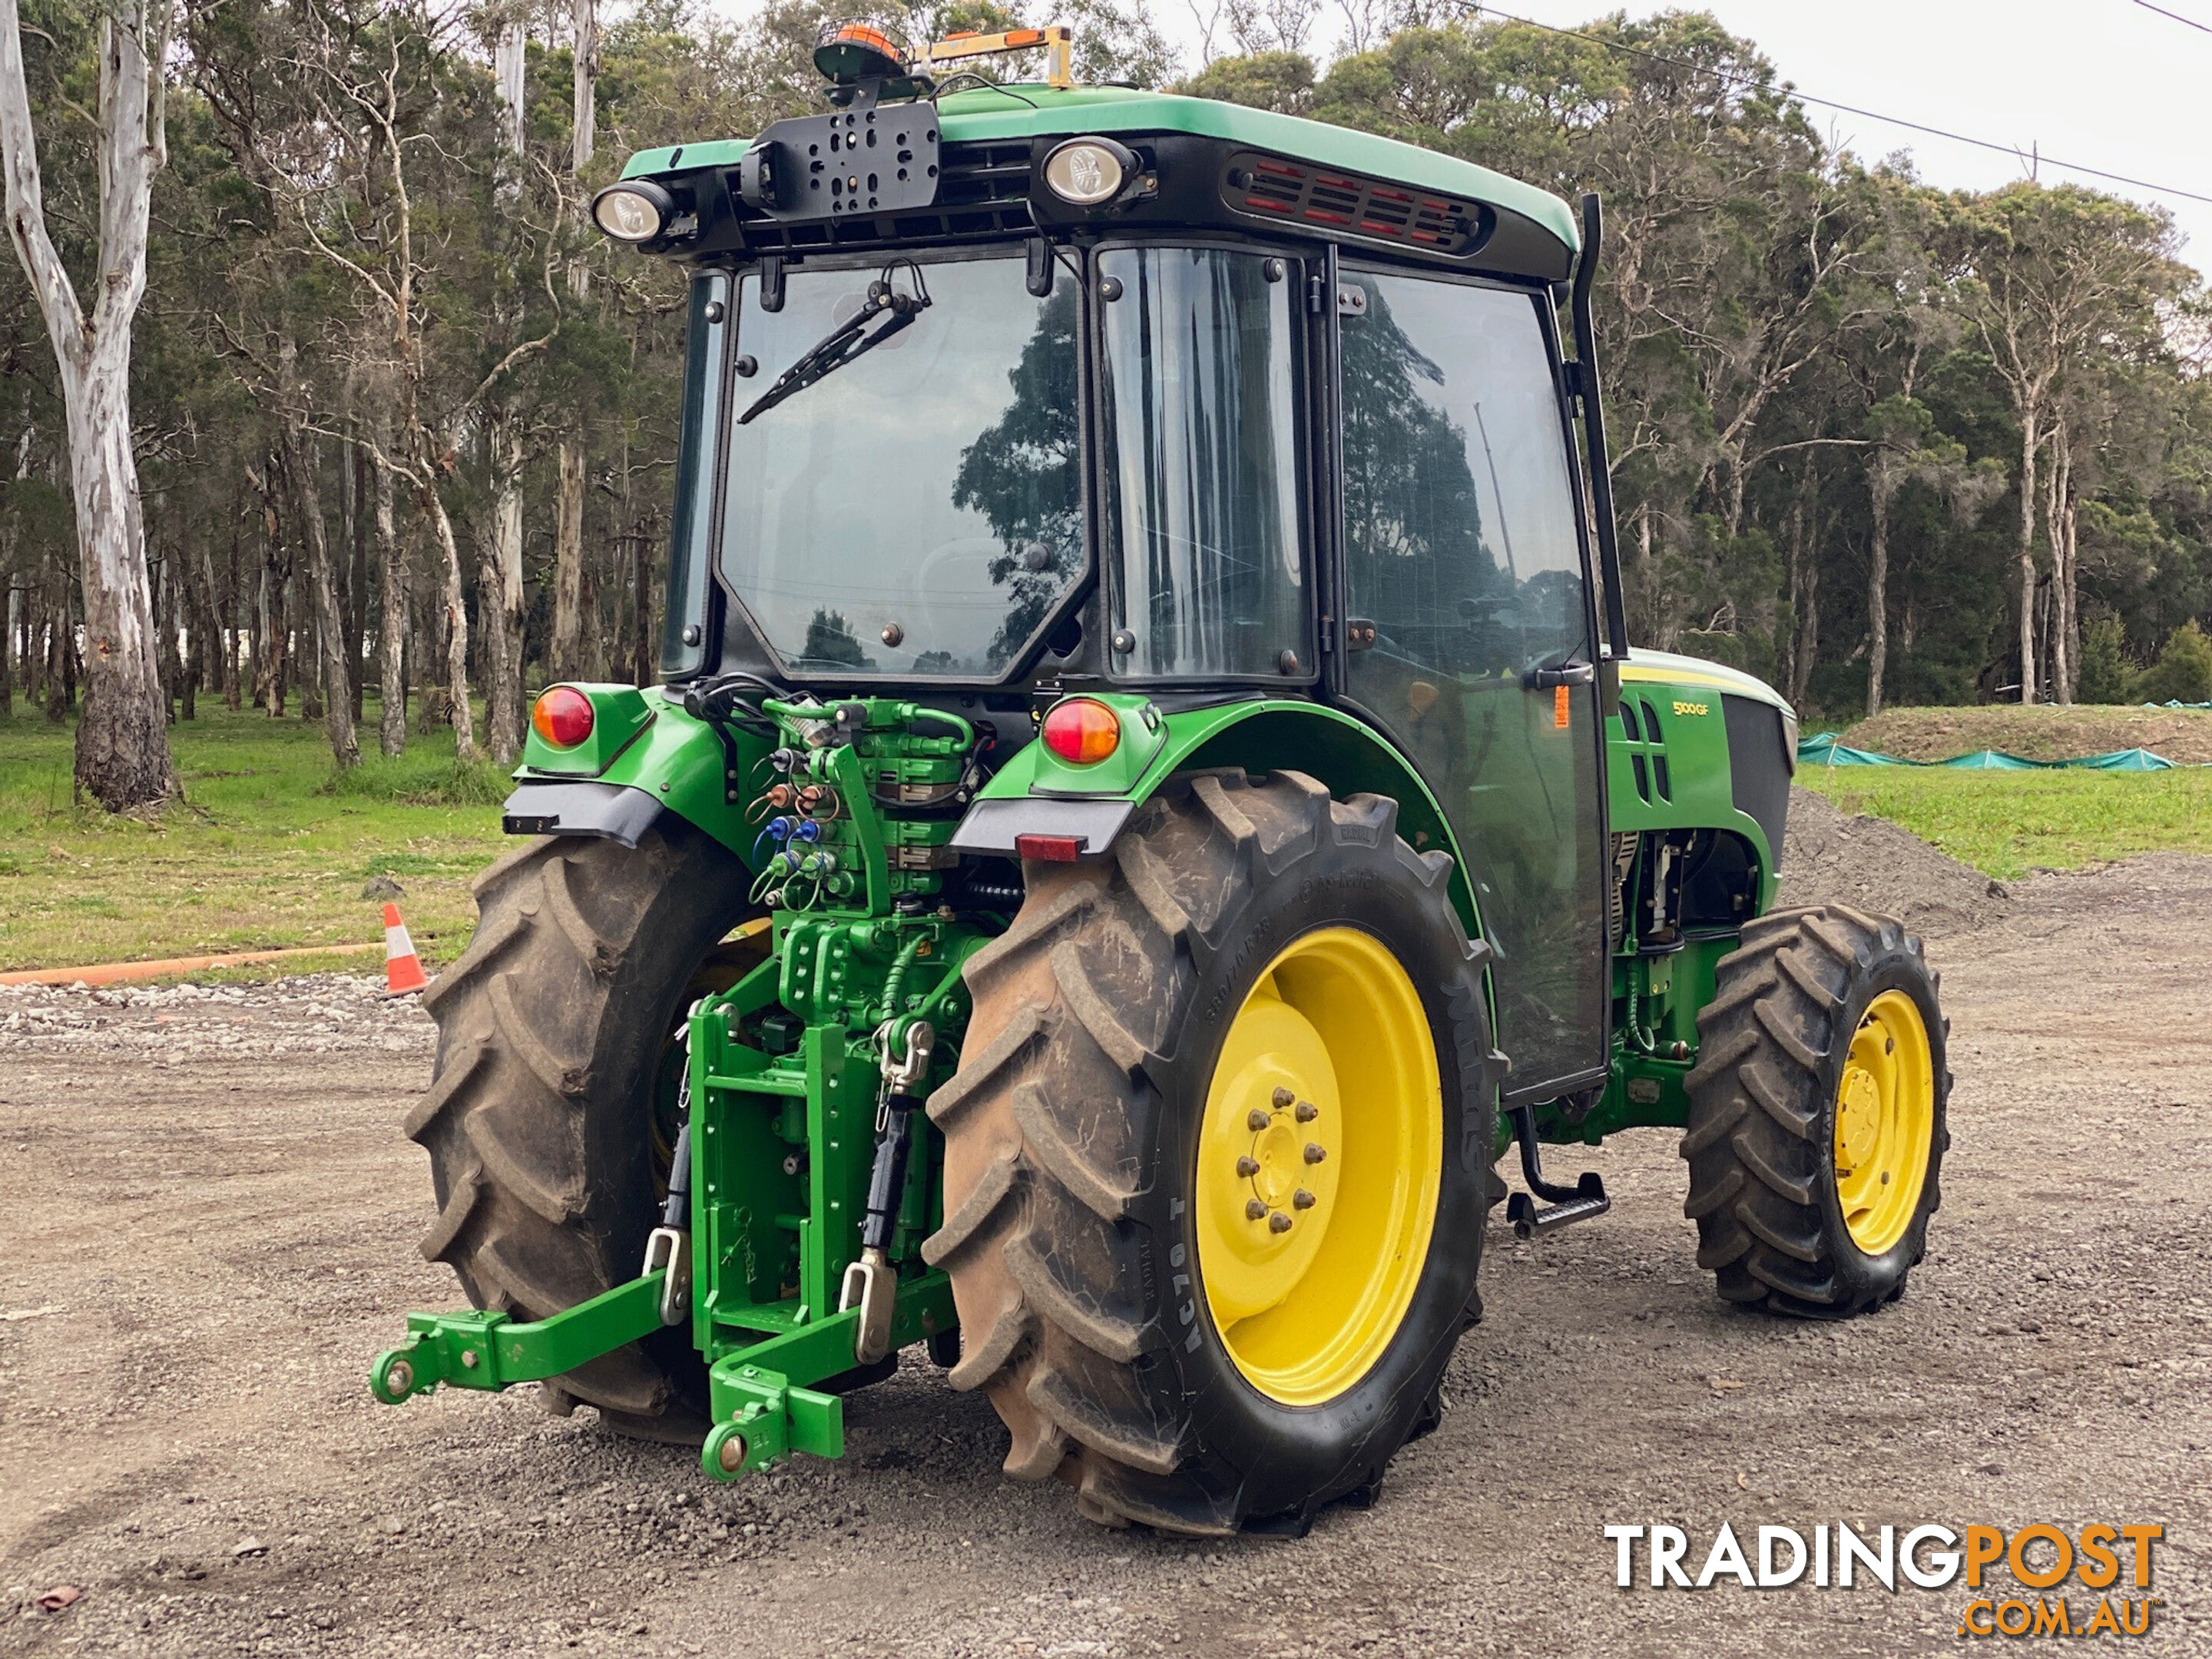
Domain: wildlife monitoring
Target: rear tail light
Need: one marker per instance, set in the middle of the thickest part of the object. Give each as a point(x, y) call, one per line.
point(563, 716)
point(1082, 731)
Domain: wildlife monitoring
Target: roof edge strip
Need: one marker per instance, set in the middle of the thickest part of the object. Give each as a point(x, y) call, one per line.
point(1030, 111)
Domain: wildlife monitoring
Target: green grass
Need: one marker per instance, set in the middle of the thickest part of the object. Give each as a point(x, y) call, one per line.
point(268, 849)
point(2008, 824)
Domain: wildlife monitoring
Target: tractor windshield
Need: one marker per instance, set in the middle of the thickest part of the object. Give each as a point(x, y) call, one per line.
point(919, 511)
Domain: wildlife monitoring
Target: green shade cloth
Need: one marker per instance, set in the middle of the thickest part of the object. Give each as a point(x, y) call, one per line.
point(1827, 749)
point(1995, 759)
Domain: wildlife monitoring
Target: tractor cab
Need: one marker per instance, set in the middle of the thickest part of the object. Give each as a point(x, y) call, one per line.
point(1089, 388)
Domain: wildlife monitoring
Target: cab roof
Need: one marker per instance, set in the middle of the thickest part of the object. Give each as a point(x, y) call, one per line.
point(1023, 111)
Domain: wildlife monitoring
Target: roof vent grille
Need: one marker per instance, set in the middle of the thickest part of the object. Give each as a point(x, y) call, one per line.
point(1294, 192)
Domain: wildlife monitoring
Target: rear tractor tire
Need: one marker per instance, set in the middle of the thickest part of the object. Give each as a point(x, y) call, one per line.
point(1817, 1114)
point(1217, 1157)
point(555, 1044)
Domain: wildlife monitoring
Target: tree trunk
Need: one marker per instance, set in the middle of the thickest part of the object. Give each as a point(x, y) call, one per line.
point(169, 664)
point(642, 643)
point(7, 610)
point(1878, 583)
point(567, 653)
point(391, 621)
point(61, 651)
point(299, 470)
point(13, 608)
point(268, 615)
point(34, 638)
point(568, 649)
point(456, 627)
point(2057, 509)
point(71, 659)
point(300, 657)
point(306, 638)
point(510, 55)
point(353, 474)
point(433, 707)
point(194, 610)
point(2030, 421)
point(1804, 594)
point(233, 690)
point(499, 587)
point(583, 130)
point(122, 734)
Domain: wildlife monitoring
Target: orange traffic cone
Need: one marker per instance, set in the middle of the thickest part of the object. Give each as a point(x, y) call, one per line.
point(403, 969)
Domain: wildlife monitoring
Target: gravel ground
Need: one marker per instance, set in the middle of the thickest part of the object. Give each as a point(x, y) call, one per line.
point(210, 1228)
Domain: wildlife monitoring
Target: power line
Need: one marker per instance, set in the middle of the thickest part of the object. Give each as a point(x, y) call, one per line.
point(2191, 22)
point(1853, 109)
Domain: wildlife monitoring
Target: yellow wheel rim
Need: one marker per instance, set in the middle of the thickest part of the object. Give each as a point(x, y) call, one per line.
point(1319, 1160)
point(1884, 1122)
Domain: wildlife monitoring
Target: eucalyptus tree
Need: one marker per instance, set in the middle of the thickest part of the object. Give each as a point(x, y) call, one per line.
point(2059, 275)
point(122, 737)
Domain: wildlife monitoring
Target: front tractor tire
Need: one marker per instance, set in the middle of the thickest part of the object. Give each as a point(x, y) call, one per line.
point(1817, 1126)
point(554, 1043)
point(1217, 1157)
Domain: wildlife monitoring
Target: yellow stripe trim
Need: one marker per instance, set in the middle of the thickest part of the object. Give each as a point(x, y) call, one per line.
point(1679, 677)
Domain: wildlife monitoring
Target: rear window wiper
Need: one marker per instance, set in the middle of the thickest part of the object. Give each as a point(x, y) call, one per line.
point(848, 340)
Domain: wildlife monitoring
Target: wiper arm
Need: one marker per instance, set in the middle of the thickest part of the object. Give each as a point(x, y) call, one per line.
point(843, 344)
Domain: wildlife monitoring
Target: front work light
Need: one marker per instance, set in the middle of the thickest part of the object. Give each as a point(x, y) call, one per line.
point(637, 211)
point(563, 716)
point(1088, 171)
point(1081, 730)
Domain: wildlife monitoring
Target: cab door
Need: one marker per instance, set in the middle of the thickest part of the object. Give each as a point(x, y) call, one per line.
point(1470, 633)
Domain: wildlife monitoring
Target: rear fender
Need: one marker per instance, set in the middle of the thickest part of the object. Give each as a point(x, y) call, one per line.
point(1036, 793)
point(667, 761)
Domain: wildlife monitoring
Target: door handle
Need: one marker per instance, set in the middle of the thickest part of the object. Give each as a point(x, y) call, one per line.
point(1573, 673)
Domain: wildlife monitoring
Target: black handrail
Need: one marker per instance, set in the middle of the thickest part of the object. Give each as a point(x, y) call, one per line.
point(1601, 467)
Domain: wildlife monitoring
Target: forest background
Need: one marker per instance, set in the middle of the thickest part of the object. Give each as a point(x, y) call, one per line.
point(404, 425)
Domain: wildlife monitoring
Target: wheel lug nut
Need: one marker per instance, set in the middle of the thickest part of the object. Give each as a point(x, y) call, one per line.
point(1283, 1098)
point(1278, 1223)
point(1315, 1154)
point(1248, 1166)
point(1255, 1120)
point(1308, 1111)
point(1254, 1209)
point(1302, 1199)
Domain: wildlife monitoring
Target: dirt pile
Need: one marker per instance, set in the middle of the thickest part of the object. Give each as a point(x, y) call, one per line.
point(2041, 733)
point(1872, 864)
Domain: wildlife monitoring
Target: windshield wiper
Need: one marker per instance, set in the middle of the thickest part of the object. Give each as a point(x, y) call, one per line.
point(850, 339)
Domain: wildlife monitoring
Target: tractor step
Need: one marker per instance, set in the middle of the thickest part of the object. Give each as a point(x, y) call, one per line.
point(1564, 1205)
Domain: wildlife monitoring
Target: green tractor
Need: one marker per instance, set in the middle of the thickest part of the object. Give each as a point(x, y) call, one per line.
point(1150, 799)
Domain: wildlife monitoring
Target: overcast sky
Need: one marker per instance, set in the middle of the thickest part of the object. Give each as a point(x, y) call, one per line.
point(2106, 83)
